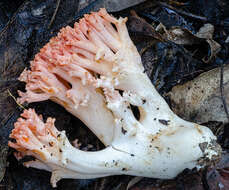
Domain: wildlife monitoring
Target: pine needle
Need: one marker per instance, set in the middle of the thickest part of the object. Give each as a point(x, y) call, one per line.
point(10, 94)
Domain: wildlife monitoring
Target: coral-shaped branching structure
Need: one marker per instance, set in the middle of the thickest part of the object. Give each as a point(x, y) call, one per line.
point(95, 72)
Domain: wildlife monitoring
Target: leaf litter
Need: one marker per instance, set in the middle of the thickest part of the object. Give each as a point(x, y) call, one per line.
point(177, 42)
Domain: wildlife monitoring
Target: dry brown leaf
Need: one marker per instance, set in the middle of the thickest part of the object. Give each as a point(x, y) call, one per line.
point(110, 5)
point(3, 163)
point(218, 177)
point(200, 100)
point(183, 36)
point(206, 31)
point(215, 48)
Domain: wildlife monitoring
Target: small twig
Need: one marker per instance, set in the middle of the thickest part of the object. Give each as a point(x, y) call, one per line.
point(183, 12)
point(10, 94)
point(177, 3)
point(222, 92)
point(54, 14)
point(195, 72)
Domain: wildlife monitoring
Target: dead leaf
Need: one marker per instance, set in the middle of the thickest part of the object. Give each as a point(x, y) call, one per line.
point(227, 40)
point(117, 5)
point(3, 163)
point(110, 5)
point(189, 181)
point(206, 31)
point(218, 177)
point(183, 36)
point(138, 25)
point(215, 48)
point(200, 100)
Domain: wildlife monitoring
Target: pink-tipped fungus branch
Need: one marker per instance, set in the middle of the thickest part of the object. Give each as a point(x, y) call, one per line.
point(84, 68)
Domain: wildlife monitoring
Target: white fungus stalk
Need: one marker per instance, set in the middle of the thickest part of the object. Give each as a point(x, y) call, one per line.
point(95, 72)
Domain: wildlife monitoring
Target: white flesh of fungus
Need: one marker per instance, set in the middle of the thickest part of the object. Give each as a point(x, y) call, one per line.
point(158, 145)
